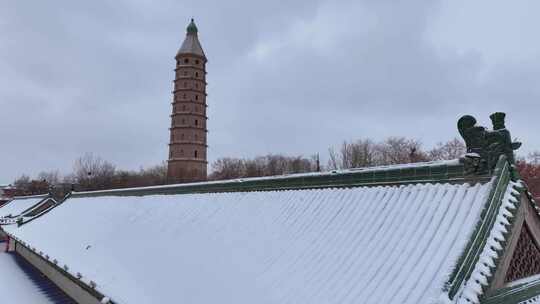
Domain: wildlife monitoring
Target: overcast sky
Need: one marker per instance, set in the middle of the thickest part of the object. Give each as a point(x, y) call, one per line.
point(284, 76)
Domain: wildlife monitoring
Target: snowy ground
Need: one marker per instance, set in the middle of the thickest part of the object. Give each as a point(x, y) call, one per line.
point(15, 286)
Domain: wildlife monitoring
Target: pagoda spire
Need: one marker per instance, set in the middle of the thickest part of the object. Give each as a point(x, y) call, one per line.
point(191, 44)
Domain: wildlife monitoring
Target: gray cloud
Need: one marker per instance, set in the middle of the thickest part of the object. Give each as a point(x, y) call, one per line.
point(283, 77)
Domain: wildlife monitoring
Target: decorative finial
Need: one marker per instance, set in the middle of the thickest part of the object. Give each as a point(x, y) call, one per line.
point(192, 28)
point(484, 147)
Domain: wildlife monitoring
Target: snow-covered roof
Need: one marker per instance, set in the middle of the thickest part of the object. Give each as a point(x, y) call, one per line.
point(15, 286)
point(422, 233)
point(534, 300)
point(19, 204)
point(382, 244)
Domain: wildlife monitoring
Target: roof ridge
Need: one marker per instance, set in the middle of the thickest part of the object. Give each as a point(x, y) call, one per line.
point(30, 196)
point(434, 172)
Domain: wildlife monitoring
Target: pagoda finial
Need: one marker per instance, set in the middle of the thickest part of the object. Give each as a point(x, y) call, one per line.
point(191, 44)
point(192, 28)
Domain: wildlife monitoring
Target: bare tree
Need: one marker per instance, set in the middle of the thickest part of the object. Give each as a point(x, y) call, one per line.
point(334, 161)
point(272, 164)
point(530, 173)
point(92, 172)
point(227, 168)
point(534, 158)
point(22, 184)
point(155, 175)
point(451, 149)
point(254, 167)
point(400, 150)
point(26, 186)
point(51, 177)
point(316, 163)
point(366, 153)
point(300, 164)
point(357, 154)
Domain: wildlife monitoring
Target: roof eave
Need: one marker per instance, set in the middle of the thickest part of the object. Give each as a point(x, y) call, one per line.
point(503, 178)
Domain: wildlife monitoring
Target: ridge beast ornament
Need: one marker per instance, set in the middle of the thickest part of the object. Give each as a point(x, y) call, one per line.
point(484, 147)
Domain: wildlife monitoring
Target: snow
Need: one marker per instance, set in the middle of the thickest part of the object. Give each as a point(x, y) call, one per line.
point(527, 280)
point(535, 300)
point(524, 284)
point(391, 244)
point(18, 205)
point(15, 286)
point(473, 288)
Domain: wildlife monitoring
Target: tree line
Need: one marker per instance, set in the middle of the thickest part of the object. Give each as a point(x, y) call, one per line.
point(529, 169)
point(363, 153)
point(91, 172)
point(350, 154)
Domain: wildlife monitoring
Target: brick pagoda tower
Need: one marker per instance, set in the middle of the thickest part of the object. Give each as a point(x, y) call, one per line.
point(187, 148)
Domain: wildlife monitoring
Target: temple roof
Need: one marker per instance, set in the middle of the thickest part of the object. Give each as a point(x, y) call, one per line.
point(191, 44)
point(20, 204)
point(22, 284)
point(399, 234)
point(267, 247)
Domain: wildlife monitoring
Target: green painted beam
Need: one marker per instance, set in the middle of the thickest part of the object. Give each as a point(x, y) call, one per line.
point(468, 260)
point(514, 294)
point(423, 173)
